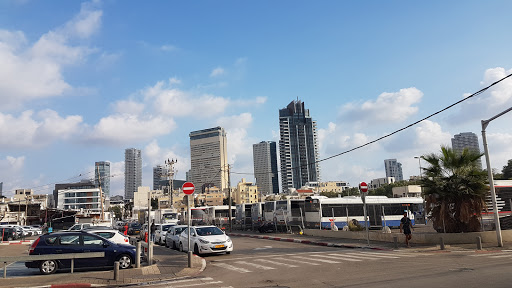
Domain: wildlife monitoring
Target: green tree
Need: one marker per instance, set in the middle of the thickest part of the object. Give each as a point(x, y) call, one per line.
point(454, 189)
point(128, 210)
point(507, 170)
point(118, 214)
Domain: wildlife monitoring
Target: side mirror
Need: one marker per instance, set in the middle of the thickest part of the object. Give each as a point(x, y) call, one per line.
point(105, 244)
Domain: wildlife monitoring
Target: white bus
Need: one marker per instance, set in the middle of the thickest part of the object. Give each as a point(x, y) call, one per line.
point(381, 210)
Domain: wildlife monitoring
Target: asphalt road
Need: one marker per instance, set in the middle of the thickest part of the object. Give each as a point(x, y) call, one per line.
point(264, 263)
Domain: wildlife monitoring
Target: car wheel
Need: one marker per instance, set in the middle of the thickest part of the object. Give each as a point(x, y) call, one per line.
point(196, 250)
point(124, 261)
point(47, 267)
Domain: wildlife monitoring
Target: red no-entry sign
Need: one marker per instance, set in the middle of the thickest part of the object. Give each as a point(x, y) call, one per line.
point(363, 187)
point(188, 188)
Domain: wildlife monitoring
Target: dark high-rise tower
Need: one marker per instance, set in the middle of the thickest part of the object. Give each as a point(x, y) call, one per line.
point(265, 167)
point(466, 140)
point(298, 146)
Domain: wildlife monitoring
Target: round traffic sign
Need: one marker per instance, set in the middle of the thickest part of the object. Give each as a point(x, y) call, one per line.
point(188, 188)
point(363, 187)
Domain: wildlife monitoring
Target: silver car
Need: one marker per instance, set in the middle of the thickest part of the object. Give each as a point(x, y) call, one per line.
point(172, 237)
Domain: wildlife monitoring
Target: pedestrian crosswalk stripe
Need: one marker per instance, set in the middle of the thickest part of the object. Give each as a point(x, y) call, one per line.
point(275, 263)
point(231, 267)
point(405, 254)
point(295, 261)
point(357, 256)
point(380, 255)
point(319, 260)
point(195, 284)
point(362, 256)
point(338, 257)
point(255, 265)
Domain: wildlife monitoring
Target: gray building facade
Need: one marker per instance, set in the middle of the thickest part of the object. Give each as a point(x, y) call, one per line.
point(132, 171)
point(394, 169)
point(160, 177)
point(466, 140)
point(102, 176)
point(298, 147)
point(265, 167)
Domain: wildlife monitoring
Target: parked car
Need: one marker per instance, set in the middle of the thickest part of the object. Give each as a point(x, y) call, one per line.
point(134, 228)
point(79, 242)
point(78, 227)
point(206, 239)
point(172, 237)
point(110, 234)
point(32, 230)
point(8, 233)
point(161, 231)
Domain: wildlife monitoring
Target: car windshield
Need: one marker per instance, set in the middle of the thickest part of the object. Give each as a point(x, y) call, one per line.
point(166, 227)
point(206, 231)
point(135, 225)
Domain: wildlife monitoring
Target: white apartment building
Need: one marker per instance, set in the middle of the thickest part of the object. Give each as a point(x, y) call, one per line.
point(88, 200)
point(246, 192)
point(407, 191)
point(466, 140)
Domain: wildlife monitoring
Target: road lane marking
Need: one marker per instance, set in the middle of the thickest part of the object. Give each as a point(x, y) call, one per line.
point(275, 263)
point(339, 257)
point(231, 267)
point(501, 256)
point(196, 284)
point(255, 265)
point(319, 260)
point(368, 256)
point(295, 261)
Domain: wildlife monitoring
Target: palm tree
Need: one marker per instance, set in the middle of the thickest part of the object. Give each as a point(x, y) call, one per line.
point(454, 188)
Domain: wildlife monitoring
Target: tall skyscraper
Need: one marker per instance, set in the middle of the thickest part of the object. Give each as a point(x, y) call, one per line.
point(466, 140)
point(102, 176)
point(132, 171)
point(160, 175)
point(265, 167)
point(298, 146)
point(208, 158)
point(1, 187)
point(394, 169)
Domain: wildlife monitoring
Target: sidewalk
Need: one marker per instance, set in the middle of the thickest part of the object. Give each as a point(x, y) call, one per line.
point(169, 264)
point(363, 244)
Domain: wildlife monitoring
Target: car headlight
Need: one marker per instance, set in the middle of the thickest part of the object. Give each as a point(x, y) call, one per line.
point(204, 241)
point(228, 239)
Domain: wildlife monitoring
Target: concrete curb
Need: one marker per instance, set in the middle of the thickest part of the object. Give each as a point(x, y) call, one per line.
point(18, 242)
point(309, 242)
point(70, 285)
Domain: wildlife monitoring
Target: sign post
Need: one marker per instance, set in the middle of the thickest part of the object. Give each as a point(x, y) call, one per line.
point(188, 188)
point(363, 187)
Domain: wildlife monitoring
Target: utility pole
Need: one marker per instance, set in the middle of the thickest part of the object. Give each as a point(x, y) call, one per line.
point(229, 200)
point(171, 163)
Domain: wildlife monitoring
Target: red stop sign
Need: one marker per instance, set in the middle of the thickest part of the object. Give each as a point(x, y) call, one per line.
point(188, 188)
point(363, 187)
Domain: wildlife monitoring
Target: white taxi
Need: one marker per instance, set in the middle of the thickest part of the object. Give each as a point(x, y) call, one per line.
point(206, 240)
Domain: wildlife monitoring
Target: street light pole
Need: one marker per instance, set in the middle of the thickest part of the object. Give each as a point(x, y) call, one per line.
point(491, 180)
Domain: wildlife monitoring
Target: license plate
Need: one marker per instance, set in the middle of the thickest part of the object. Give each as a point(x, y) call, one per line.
point(219, 246)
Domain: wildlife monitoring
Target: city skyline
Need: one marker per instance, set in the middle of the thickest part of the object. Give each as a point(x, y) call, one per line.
point(87, 79)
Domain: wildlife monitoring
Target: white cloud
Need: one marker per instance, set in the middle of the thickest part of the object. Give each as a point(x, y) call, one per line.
point(36, 130)
point(125, 128)
point(387, 108)
point(487, 104)
point(178, 103)
point(217, 72)
point(11, 168)
point(129, 107)
point(116, 178)
point(41, 64)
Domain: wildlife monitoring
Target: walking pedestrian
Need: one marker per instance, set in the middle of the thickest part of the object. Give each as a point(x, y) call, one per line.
point(126, 229)
point(153, 229)
point(406, 227)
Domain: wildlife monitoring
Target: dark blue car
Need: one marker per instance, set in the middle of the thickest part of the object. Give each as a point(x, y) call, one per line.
point(79, 242)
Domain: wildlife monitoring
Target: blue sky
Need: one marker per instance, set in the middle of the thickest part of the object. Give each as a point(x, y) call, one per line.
point(82, 81)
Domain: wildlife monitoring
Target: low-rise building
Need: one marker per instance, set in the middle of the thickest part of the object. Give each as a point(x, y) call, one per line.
point(379, 182)
point(407, 191)
point(246, 192)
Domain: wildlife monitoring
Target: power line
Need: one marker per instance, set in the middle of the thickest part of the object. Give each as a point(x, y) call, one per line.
point(392, 133)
